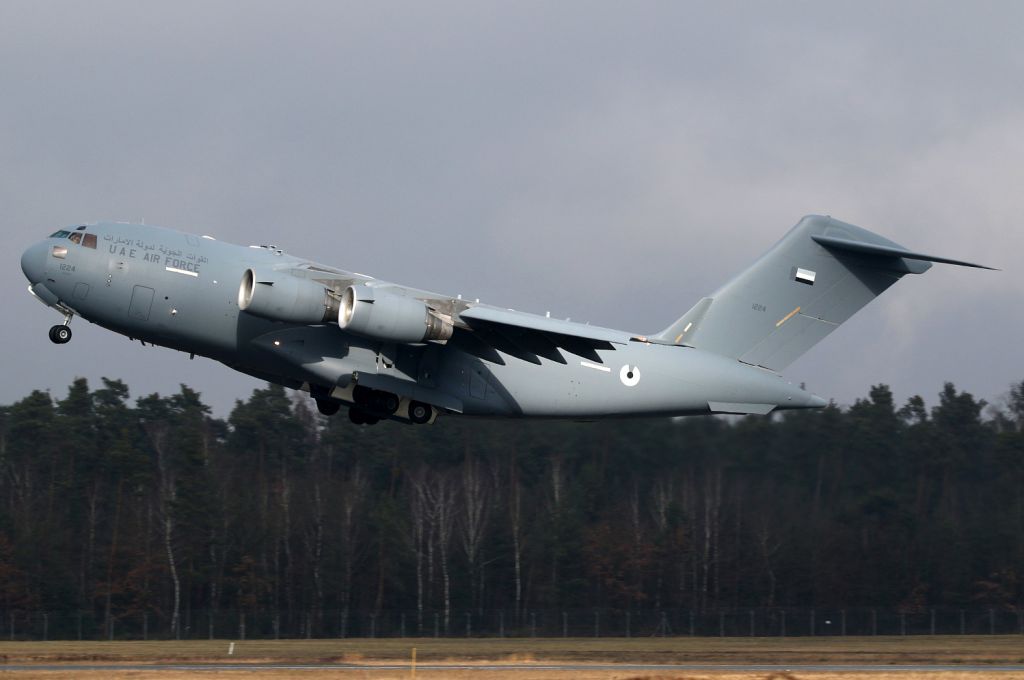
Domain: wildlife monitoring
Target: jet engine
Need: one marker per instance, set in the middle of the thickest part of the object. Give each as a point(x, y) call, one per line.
point(279, 296)
point(388, 317)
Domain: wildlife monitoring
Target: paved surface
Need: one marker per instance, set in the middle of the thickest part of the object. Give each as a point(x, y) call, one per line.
point(513, 667)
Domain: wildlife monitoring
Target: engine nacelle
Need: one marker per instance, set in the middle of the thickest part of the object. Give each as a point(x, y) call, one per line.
point(392, 318)
point(279, 296)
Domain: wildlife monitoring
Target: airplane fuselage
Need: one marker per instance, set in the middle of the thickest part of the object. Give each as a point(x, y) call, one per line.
point(181, 291)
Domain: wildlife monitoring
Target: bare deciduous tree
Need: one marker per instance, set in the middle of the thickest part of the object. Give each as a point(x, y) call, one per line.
point(475, 495)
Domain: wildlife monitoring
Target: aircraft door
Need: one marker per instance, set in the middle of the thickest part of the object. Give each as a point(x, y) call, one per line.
point(142, 303)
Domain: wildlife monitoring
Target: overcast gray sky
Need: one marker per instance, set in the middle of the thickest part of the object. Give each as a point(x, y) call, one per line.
point(612, 162)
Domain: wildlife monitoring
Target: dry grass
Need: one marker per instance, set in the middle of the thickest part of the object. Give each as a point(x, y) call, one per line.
point(910, 649)
point(518, 675)
point(882, 650)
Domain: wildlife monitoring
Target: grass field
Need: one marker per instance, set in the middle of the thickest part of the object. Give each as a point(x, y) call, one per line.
point(983, 649)
point(817, 650)
point(509, 675)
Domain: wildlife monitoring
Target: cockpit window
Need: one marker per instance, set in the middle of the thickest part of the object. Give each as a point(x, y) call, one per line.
point(76, 236)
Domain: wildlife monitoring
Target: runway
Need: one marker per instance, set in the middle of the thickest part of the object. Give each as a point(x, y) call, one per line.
point(520, 667)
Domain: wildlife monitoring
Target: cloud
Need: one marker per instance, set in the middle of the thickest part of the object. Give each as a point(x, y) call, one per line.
point(608, 162)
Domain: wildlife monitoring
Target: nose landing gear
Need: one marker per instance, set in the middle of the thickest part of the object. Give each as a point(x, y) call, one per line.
point(61, 333)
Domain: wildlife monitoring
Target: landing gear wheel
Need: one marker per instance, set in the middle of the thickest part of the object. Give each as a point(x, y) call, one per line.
point(389, 403)
point(378, 402)
point(420, 413)
point(60, 335)
point(359, 417)
point(328, 407)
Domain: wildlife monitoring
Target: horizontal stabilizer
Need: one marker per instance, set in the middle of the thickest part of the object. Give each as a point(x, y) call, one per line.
point(865, 248)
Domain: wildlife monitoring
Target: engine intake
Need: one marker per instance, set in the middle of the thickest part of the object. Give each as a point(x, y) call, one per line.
point(279, 296)
point(392, 318)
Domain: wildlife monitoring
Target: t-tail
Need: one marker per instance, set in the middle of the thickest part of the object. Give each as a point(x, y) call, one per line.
point(810, 282)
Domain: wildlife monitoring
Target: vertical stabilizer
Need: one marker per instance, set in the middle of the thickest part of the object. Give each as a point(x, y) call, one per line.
point(818, 276)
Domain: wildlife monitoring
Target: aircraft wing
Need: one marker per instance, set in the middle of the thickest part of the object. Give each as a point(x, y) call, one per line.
point(541, 324)
point(486, 331)
point(530, 337)
point(336, 279)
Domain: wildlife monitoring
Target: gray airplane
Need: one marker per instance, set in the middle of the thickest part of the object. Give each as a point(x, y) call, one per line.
point(388, 351)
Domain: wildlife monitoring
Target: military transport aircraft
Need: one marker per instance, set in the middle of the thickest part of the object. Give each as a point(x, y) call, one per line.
point(389, 351)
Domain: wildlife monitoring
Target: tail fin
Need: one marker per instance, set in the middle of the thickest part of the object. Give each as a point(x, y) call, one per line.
point(811, 281)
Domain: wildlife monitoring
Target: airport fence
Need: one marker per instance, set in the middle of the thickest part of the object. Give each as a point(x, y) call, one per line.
point(732, 622)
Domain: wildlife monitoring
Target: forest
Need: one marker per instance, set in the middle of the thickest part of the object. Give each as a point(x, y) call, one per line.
point(114, 508)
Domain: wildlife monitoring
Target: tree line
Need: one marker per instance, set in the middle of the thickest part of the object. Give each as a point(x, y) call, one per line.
point(153, 506)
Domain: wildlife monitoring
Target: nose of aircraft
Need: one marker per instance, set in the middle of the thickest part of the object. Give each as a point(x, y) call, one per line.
point(33, 263)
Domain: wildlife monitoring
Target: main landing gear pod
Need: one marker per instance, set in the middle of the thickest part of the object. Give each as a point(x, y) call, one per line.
point(368, 406)
point(418, 413)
